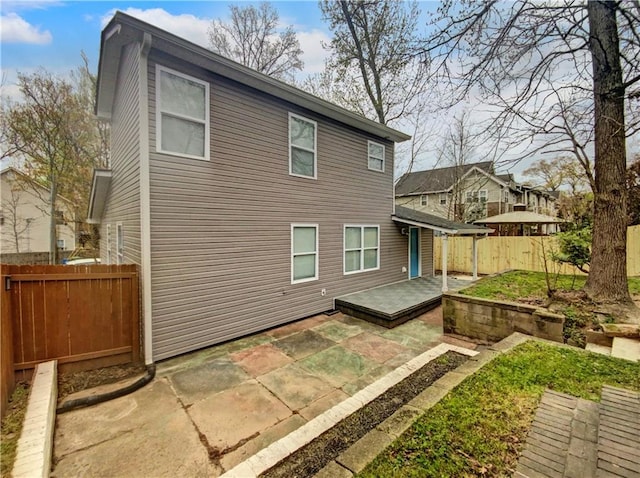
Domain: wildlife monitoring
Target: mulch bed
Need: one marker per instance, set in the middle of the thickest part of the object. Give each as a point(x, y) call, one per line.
point(314, 456)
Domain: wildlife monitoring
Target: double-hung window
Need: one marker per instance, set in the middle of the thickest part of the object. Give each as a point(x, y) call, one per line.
point(423, 200)
point(302, 146)
point(376, 156)
point(361, 248)
point(443, 199)
point(477, 196)
point(304, 252)
point(182, 118)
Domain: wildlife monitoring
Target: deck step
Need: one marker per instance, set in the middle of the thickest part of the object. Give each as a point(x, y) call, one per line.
point(626, 348)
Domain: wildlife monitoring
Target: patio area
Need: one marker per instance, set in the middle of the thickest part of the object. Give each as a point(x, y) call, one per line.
point(394, 304)
point(208, 411)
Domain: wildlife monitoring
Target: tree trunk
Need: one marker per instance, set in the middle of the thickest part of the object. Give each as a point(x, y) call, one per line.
point(53, 239)
point(607, 281)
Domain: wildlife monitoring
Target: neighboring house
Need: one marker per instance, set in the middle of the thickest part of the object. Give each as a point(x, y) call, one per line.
point(25, 216)
point(247, 203)
point(468, 192)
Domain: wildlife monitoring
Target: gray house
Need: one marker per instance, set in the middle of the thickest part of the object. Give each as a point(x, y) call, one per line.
point(246, 202)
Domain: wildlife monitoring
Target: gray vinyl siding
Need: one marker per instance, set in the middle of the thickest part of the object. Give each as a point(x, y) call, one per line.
point(426, 251)
point(221, 229)
point(123, 203)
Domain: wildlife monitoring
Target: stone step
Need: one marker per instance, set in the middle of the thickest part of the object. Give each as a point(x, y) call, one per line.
point(598, 349)
point(626, 348)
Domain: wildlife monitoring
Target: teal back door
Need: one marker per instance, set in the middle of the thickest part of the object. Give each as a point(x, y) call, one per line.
point(414, 252)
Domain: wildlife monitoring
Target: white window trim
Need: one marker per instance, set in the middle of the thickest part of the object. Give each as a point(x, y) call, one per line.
point(109, 244)
point(369, 143)
point(506, 196)
point(206, 121)
point(361, 248)
point(119, 255)
point(64, 244)
point(426, 200)
point(479, 191)
point(317, 253)
point(443, 195)
point(314, 150)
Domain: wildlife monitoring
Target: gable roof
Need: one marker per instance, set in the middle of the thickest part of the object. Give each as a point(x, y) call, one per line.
point(32, 182)
point(124, 29)
point(520, 217)
point(437, 180)
point(412, 217)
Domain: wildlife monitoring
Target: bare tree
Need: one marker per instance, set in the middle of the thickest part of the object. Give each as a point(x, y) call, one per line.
point(561, 171)
point(252, 38)
point(14, 226)
point(533, 59)
point(374, 46)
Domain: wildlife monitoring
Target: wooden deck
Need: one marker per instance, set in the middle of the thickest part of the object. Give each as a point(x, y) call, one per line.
point(576, 438)
point(393, 304)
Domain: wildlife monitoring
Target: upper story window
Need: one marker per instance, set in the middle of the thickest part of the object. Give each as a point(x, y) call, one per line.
point(423, 200)
point(361, 248)
point(182, 118)
point(476, 196)
point(304, 252)
point(302, 147)
point(376, 156)
point(443, 199)
point(506, 195)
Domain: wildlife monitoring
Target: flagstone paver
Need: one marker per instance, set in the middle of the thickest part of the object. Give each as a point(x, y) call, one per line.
point(323, 404)
point(203, 380)
point(296, 387)
point(260, 359)
point(338, 365)
point(415, 334)
point(302, 344)
point(237, 414)
point(338, 331)
point(374, 347)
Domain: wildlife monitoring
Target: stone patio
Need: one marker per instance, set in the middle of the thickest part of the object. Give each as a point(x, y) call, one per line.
point(219, 406)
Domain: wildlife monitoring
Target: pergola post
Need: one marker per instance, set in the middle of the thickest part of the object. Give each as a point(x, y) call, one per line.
point(444, 263)
point(475, 256)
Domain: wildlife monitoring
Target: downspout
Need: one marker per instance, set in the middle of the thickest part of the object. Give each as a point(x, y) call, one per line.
point(145, 197)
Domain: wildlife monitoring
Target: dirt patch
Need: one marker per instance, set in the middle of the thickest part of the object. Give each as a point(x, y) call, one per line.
point(314, 456)
point(69, 383)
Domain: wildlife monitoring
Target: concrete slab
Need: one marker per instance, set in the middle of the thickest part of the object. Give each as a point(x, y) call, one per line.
point(262, 441)
point(598, 349)
point(237, 414)
point(211, 377)
point(133, 435)
point(361, 453)
point(260, 359)
point(303, 344)
point(333, 470)
point(338, 366)
point(296, 387)
point(625, 348)
point(374, 347)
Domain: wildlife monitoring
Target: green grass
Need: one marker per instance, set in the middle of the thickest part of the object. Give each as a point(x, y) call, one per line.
point(479, 427)
point(527, 284)
point(11, 427)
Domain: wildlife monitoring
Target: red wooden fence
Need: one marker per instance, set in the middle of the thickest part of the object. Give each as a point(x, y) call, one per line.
point(84, 316)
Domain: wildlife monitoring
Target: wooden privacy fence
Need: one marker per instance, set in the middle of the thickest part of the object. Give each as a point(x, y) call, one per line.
point(83, 316)
point(496, 254)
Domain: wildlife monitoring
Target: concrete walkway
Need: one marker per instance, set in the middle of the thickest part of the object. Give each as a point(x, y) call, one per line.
point(208, 411)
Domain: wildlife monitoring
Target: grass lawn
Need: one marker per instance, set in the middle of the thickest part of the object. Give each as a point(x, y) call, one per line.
point(11, 426)
point(515, 285)
point(479, 428)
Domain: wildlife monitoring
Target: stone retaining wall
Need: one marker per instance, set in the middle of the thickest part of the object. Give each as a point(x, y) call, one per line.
point(491, 320)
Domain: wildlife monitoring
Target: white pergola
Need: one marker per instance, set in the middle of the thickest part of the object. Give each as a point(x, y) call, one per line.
point(446, 228)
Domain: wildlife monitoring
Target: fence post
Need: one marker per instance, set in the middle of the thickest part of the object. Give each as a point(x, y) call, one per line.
point(7, 374)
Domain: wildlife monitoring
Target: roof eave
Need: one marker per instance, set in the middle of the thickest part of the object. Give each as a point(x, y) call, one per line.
point(97, 199)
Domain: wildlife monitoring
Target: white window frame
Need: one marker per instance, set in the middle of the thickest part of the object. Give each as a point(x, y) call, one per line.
point(424, 200)
point(293, 254)
point(64, 244)
point(119, 243)
point(481, 194)
point(314, 150)
point(443, 196)
point(369, 156)
point(205, 122)
point(361, 248)
point(109, 252)
point(506, 196)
